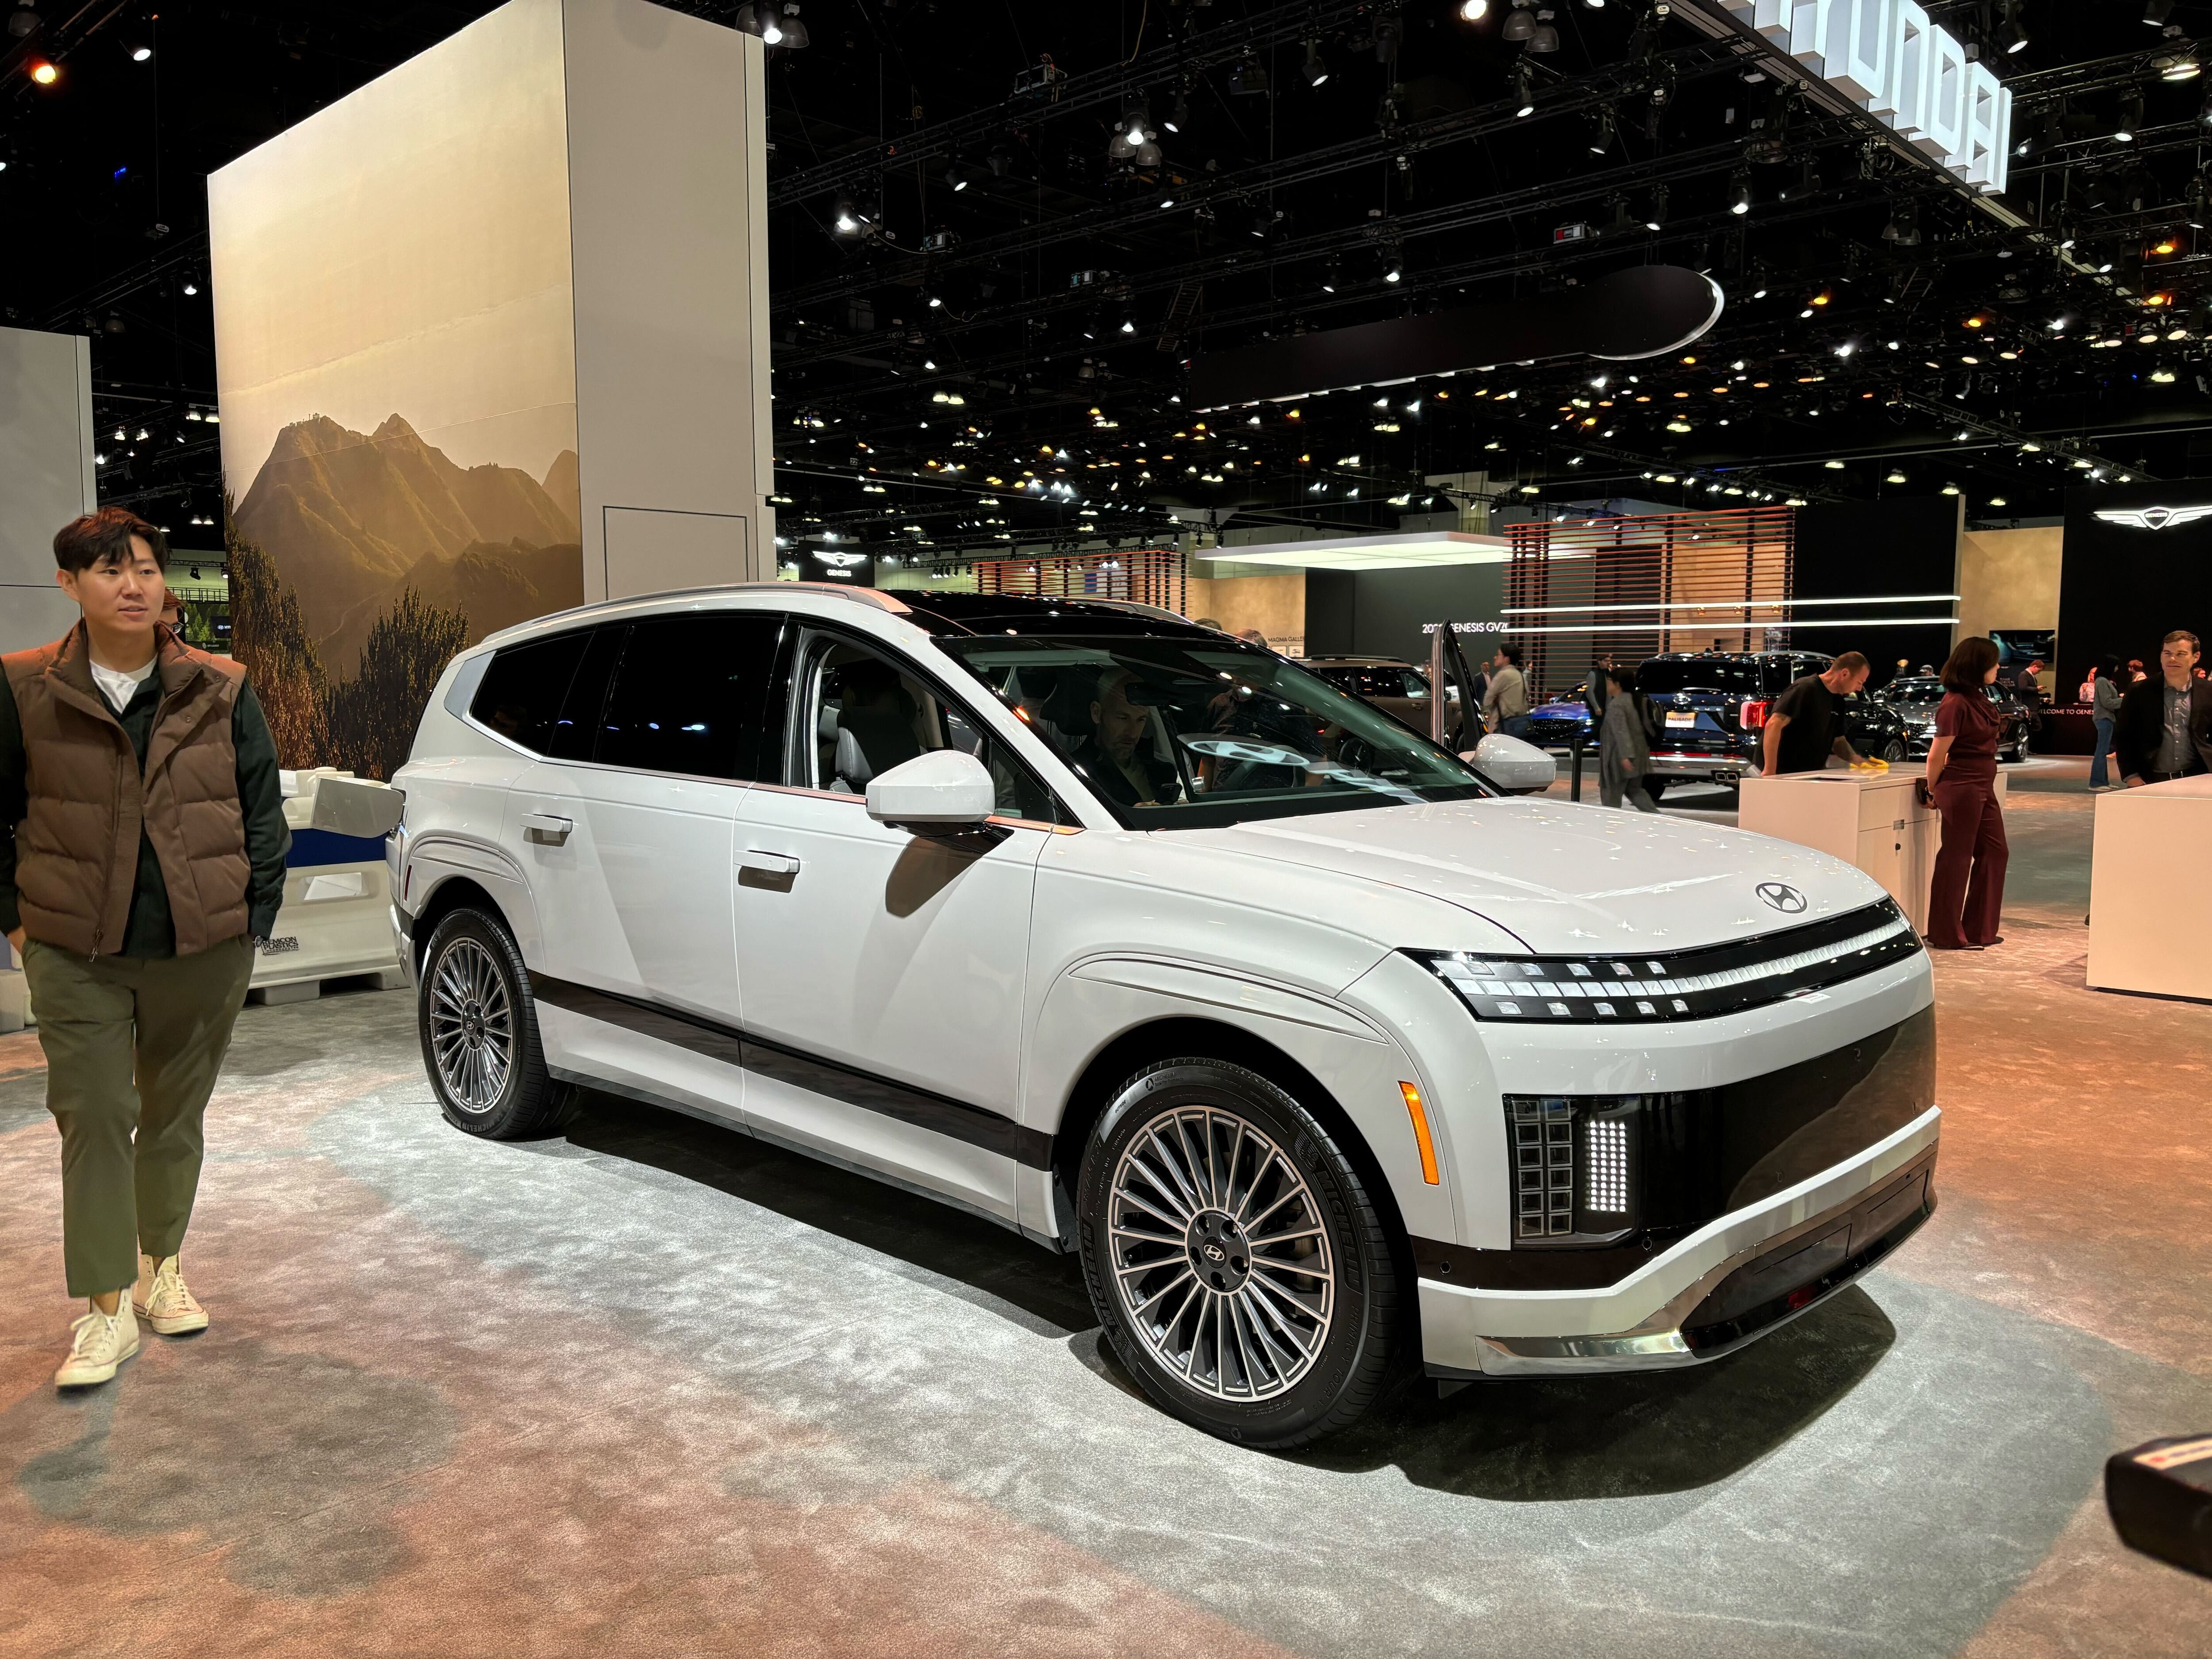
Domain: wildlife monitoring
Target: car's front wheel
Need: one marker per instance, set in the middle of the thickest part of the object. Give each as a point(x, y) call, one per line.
point(1234, 1255)
point(479, 1031)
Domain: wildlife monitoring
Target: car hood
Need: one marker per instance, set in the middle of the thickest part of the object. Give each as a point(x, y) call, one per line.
point(1566, 879)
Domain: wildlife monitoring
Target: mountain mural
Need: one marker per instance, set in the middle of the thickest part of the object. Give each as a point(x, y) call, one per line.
point(352, 520)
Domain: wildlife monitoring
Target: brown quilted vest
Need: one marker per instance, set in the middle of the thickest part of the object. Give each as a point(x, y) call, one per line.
point(76, 851)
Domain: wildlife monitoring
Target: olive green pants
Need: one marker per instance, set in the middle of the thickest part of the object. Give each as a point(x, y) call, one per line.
point(132, 1044)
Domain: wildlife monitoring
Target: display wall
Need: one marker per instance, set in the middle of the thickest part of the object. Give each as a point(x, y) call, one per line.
point(1381, 612)
point(1878, 550)
point(491, 342)
point(47, 475)
point(2126, 583)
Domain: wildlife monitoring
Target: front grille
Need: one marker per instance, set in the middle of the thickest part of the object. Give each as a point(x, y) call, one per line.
point(1698, 984)
point(1592, 1170)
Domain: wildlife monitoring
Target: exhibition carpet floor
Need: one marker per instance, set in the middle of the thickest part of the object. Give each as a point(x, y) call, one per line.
point(653, 1388)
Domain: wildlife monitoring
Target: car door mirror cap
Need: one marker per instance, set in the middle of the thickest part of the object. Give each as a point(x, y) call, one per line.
point(945, 789)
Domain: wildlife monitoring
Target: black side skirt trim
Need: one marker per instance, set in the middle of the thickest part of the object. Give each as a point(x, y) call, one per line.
point(973, 1125)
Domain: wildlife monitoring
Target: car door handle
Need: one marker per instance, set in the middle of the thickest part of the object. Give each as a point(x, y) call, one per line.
point(774, 871)
point(546, 828)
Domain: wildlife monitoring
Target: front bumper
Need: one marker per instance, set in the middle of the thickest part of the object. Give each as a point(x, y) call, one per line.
point(1733, 1280)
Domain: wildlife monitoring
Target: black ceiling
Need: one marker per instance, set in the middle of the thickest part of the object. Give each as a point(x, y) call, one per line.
point(1023, 337)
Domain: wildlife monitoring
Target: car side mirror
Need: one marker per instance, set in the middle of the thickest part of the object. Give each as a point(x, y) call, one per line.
point(946, 789)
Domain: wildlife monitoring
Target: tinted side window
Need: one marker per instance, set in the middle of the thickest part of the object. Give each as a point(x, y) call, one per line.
point(578, 727)
point(521, 692)
point(690, 693)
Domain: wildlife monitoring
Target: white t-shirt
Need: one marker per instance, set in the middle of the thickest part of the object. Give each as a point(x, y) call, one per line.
point(119, 685)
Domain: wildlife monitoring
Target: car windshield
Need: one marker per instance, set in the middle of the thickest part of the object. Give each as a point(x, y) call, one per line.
point(1733, 674)
point(1173, 732)
point(1916, 690)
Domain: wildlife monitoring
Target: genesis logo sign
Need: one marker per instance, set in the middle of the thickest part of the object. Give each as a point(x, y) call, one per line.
point(2153, 518)
point(1780, 895)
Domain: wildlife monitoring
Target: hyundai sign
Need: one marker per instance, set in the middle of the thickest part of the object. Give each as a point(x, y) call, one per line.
point(1888, 58)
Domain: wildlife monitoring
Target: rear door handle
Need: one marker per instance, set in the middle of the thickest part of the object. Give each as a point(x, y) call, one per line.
point(774, 871)
point(546, 828)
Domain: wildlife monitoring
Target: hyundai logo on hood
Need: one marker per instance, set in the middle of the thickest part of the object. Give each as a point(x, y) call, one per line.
point(1781, 896)
point(2153, 518)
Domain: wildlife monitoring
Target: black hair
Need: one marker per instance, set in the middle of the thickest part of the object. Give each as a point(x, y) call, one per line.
point(1511, 653)
point(1969, 664)
point(104, 538)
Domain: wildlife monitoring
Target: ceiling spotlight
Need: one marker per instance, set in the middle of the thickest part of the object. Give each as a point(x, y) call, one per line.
point(44, 72)
point(1601, 138)
point(1833, 466)
point(1474, 11)
point(1520, 22)
point(1546, 38)
point(1313, 69)
point(25, 21)
point(1996, 501)
point(1248, 79)
point(140, 53)
point(1740, 192)
point(2162, 374)
point(955, 176)
point(1331, 275)
point(1904, 226)
point(2131, 109)
point(1658, 216)
point(1524, 82)
point(846, 222)
point(1179, 117)
point(190, 287)
point(1895, 477)
point(1392, 266)
point(2155, 12)
point(2178, 66)
point(2011, 36)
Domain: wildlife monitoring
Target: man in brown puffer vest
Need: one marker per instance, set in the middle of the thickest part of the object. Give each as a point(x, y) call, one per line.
point(141, 856)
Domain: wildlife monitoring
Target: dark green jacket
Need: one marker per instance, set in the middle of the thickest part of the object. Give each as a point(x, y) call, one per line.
point(150, 932)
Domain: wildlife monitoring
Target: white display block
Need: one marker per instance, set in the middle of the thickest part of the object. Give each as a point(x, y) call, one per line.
point(2149, 902)
point(336, 915)
point(1873, 820)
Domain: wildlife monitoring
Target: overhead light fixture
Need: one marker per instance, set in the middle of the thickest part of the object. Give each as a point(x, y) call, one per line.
point(1330, 276)
point(2155, 12)
point(1474, 11)
point(1313, 69)
point(190, 287)
point(1546, 38)
point(2012, 36)
point(2162, 374)
point(1179, 117)
point(1248, 79)
point(141, 52)
point(1833, 466)
point(2131, 109)
point(1740, 192)
point(25, 21)
point(1904, 226)
point(1895, 477)
point(1601, 138)
point(2178, 66)
point(956, 175)
point(44, 72)
point(1658, 215)
point(1520, 22)
point(1392, 266)
point(1524, 82)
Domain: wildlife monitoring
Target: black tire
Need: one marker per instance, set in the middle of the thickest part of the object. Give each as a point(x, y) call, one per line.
point(1250, 1380)
point(1654, 785)
point(1894, 750)
point(473, 976)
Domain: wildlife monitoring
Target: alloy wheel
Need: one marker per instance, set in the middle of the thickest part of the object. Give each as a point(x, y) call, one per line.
point(471, 1026)
point(1220, 1256)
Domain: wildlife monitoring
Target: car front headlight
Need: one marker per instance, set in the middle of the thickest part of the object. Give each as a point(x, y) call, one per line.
point(1698, 984)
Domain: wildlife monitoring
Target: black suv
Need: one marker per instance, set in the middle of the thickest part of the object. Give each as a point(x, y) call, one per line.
point(1706, 711)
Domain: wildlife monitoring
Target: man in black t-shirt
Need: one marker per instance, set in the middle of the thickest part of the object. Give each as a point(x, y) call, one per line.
point(1807, 724)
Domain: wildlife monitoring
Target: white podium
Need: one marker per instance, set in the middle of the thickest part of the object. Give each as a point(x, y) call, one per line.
point(2149, 899)
point(1873, 820)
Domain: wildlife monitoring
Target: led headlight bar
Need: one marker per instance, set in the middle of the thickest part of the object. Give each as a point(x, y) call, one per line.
point(1721, 979)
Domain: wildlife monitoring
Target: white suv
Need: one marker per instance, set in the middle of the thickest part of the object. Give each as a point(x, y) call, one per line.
point(1153, 945)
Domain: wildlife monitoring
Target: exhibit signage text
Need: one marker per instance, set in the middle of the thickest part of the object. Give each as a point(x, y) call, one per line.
point(1888, 57)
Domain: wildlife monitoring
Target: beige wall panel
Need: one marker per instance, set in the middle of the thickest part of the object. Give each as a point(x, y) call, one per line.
point(1275, 604)
point(2009, 579)
point(667, 138)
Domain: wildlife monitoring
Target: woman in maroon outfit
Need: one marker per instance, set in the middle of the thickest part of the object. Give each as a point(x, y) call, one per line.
point(1968, 890)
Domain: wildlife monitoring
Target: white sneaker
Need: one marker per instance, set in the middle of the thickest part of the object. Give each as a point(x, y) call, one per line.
point(161, 1299)
point(98, 1343)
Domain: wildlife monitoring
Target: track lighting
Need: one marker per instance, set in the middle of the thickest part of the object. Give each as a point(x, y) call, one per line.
point(1315, 70)
point(1524, 85)
point(1179, 117)
point(955, 176)
point(1601, 139)
point(1740, 192)
point(2131, 108)
point(1248, 79)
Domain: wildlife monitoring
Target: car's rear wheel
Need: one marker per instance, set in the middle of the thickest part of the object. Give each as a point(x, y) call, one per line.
point(1234, 1256)
point(479, 1031)
point(1893, 749)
